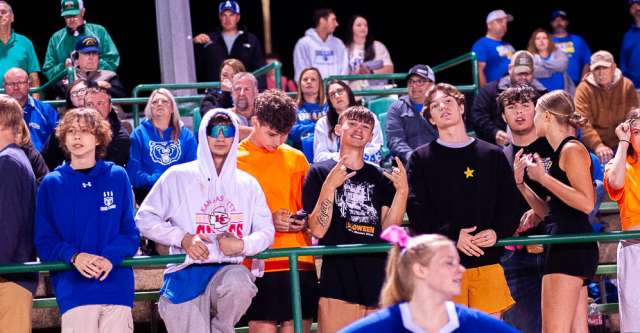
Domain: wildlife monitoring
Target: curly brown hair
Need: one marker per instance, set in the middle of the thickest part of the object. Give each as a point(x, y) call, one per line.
point(276, 110)
point(92, 119)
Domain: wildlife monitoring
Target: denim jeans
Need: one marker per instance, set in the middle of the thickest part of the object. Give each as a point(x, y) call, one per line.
point(599, 189)
point(523, 272)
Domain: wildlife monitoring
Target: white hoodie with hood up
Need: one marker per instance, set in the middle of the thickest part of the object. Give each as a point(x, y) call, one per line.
point(193, 198)
point(329, 57)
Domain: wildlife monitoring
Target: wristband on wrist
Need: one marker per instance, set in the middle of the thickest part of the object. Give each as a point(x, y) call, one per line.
point(73, 259)
point(627, 141)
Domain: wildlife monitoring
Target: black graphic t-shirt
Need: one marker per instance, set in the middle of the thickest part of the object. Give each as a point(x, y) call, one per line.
point(542, 147)
point(356, 219)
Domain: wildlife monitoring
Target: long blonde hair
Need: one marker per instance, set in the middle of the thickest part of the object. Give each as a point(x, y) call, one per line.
point(174, 121)
point(399, 286)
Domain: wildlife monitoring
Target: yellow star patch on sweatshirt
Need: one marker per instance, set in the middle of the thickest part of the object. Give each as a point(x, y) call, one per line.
point(468, 173)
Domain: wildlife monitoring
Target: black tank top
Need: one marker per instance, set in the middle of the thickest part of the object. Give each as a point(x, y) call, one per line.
point(562, 218)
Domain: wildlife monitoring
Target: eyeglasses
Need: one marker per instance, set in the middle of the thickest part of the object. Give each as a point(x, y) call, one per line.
point(17, 84)
point(337, 92)
point(79, 93)
point(227, 130)
point(417, 82)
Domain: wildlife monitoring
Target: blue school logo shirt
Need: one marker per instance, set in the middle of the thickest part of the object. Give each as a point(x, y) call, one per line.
point(578, 53)
point(497, 56)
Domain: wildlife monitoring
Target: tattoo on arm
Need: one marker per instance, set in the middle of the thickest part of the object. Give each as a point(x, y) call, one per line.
point(325, 217)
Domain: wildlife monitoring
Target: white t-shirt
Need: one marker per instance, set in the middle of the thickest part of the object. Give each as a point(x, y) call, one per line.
point(356, 58)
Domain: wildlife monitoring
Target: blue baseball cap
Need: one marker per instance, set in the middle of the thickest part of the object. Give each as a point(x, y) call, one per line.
point(88, 44)
point(561, 13)
point(229, 5)
point(422, 71)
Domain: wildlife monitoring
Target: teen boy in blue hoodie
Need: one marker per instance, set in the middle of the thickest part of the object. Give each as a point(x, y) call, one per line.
point(84, 216)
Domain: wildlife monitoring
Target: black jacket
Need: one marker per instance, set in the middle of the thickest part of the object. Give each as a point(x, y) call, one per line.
point(486, 114)
point(117, 90)
point(38, 165)
point(209, 57)
point(215, 99)
point(117, 151)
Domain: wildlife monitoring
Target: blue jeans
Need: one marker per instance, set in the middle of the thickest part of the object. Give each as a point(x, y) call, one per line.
point(523, 272)
point(599, 189)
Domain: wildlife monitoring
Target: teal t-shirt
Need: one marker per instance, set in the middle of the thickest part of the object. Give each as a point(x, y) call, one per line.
point(18, 52)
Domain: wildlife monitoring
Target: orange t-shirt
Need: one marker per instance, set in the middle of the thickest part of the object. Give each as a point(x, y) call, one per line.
point(281, 175)
point(628, 197)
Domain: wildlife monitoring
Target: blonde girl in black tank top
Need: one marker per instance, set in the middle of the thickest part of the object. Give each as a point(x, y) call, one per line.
point(568, 182)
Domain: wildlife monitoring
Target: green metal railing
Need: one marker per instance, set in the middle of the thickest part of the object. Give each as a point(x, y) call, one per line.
point(471, 56)
point(294, 253)
point(276, 66)
point(69, 72)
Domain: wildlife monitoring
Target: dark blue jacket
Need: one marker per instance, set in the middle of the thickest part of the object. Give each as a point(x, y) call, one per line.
point(17, 205)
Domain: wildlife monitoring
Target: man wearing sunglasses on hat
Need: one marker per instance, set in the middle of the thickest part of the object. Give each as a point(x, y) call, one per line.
point(217, 215)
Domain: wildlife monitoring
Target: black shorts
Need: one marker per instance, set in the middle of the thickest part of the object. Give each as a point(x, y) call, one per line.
point(575, 259)
point(273, 300)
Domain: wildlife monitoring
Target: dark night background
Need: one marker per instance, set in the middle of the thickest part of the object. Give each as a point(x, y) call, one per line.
point(414, 32)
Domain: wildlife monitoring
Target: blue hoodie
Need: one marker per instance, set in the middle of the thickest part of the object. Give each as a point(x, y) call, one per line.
point(630, 55)
point(152, 153)
point(92, 213)
point(306, 118)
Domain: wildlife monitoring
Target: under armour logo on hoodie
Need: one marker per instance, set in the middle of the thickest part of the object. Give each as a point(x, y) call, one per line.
point(87, 184)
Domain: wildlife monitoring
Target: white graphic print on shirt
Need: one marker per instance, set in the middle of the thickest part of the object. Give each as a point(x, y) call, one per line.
point(505, 50)
point(219, 215)
point(165, 152)
point(354, 201)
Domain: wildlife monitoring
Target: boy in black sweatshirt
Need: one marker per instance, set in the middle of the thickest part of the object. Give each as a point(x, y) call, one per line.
point(463, 188)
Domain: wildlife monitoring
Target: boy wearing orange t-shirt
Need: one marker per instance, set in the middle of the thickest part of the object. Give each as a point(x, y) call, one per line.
point(280, 170)
point(622, 182)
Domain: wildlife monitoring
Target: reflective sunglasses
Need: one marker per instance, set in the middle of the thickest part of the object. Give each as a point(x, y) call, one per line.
point(227, 130)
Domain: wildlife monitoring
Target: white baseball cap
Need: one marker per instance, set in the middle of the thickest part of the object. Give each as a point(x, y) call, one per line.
point(499, 14)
